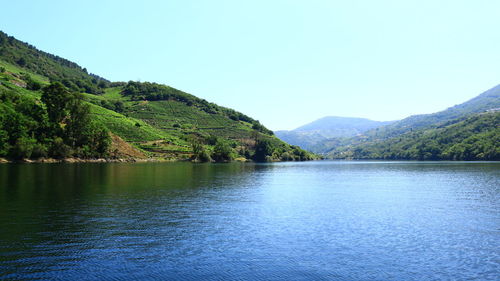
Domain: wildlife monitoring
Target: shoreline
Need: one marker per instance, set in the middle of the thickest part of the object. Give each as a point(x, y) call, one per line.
point(100, 160)
point(81, 160)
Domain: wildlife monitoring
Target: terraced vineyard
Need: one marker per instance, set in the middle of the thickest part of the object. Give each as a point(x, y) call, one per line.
point(152, 119)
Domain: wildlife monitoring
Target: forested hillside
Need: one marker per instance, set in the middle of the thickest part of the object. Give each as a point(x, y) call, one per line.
point(51, 107)
point(468, 131)
point(475, 138)
point(488, 100)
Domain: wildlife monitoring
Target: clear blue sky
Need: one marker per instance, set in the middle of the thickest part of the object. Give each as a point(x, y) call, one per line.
point(285, 63)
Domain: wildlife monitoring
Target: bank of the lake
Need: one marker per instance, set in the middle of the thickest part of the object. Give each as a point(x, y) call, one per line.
point(82, 160)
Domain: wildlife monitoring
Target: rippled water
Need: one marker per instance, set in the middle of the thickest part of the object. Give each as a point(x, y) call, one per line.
point(280, 221)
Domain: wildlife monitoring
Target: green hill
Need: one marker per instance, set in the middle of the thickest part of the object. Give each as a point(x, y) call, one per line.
point(475, 138)
point(51, 67)
point(468, 131)
point(61, 110)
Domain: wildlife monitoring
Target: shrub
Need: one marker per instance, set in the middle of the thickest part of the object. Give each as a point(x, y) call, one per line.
point(59, 149)
point(222, 152)
point(263, 150)
point(23, 148)
point(39, 151)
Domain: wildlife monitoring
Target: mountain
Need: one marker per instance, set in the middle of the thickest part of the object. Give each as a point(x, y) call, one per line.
point(488, 100)
point(468, 131)
point(52, 107)
point(312, 136)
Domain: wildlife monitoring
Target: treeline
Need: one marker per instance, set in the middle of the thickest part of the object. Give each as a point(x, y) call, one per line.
point(155, 92)
point(54, 67)
point(264, 150)
point(475, 138)
point(58, 125)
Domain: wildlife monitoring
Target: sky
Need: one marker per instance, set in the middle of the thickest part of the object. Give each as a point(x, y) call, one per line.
point(285, 63)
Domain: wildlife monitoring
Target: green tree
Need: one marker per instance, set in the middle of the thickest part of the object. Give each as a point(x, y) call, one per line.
point(199, 151)
point(30, 83)
point(263, 150)
point(222, 151)
point(22, 148)
point(59, 149)
point(101, 141)
point(70, 119)
point(78, 130)
point(4, 145)
point(56, 98)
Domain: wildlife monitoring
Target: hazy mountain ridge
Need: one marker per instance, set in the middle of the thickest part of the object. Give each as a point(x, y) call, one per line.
point(312, 136)
point(489, 99)
point(471, 127)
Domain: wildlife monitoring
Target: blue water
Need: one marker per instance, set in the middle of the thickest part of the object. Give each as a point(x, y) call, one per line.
point(280, 221)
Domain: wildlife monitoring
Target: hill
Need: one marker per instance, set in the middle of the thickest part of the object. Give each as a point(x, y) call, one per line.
point(52, 107)
point(488, 100)
point(312, 136)
point(48, 66)
point(469, 127)
point(475, 138)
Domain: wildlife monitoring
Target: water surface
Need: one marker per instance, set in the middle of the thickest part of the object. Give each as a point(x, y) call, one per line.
point(281, 221)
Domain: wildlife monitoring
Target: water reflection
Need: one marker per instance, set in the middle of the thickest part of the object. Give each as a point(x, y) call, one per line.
point(282, 221)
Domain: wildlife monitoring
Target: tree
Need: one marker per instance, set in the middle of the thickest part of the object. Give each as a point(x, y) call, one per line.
point(199, 151)
point(4, 145)
point(56, 98)
point(102, 142)
point(59, 149)
point(78, 130)
point(72, 127)
point(222, 151)
point(263, 149)
point(21, 62)
point(22, 148)
point(30, 83)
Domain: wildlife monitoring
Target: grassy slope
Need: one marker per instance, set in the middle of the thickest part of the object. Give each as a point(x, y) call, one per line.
point(171, 123)
point(124, 127)
point(159, 128)
point(39, 63)
point(162, 127)
point(18, 70)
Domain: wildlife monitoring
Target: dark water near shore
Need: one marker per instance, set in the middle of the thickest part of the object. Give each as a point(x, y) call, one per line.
point(280, 221)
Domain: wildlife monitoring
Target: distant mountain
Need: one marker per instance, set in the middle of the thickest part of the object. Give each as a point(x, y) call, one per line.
point(488, 100)
point(468, 131)
point(474, 138)
point(312, 135)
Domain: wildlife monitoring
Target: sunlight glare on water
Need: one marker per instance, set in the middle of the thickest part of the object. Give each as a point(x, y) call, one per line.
point(280, 221)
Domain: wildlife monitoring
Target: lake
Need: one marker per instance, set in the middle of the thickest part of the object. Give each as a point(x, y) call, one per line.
point(322, 220)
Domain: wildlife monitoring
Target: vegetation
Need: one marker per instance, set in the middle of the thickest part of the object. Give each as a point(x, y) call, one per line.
point(51, 107)
point(157, 92)
point(50, 66)
point(468, 131)
point(59, 127)
point(475, 138)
